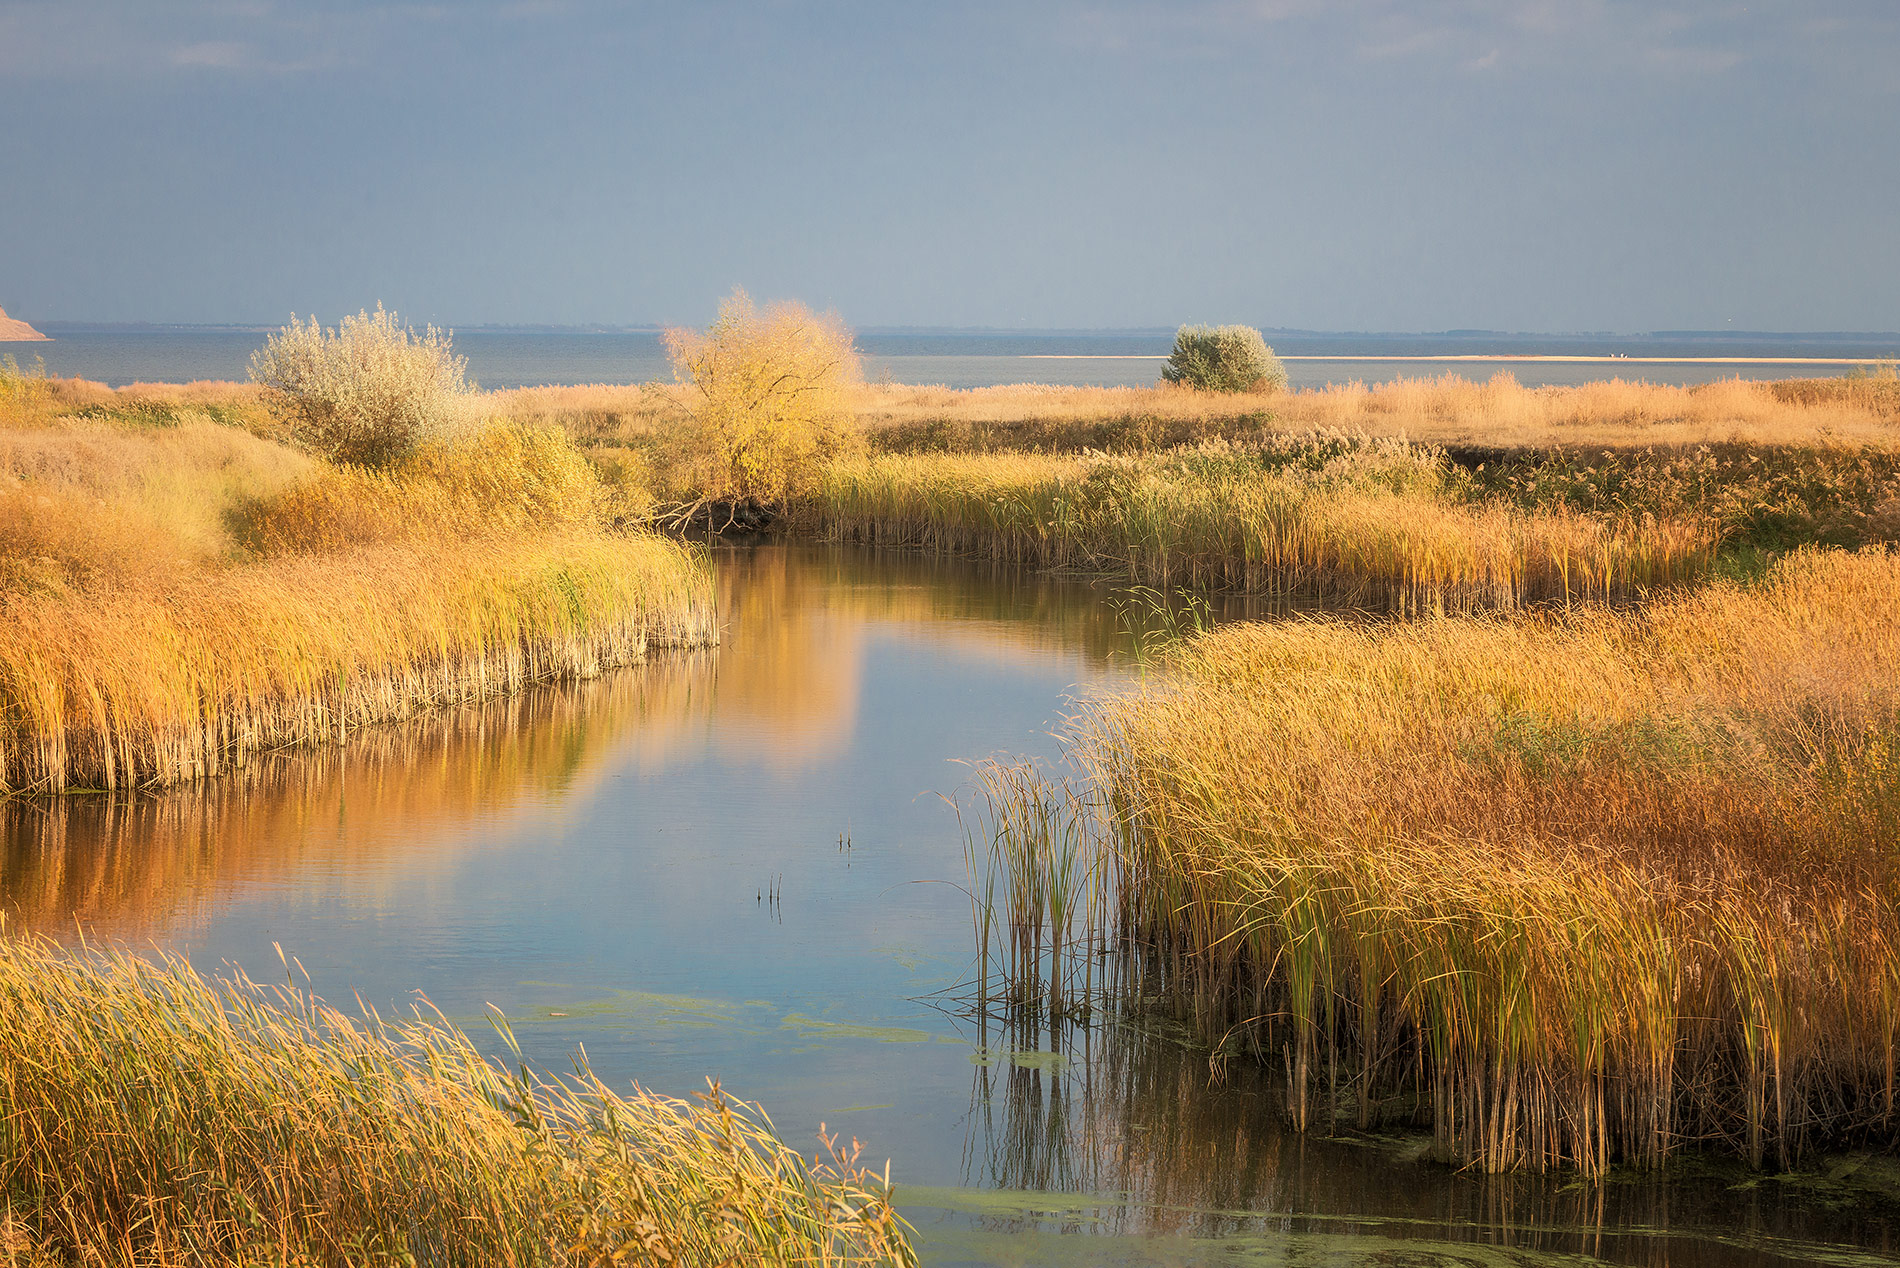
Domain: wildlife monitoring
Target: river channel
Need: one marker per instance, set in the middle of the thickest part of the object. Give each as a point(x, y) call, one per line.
point(742, 864)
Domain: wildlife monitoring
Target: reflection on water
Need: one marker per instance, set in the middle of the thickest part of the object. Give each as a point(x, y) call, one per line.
point(593, 858)
point(1153, 1142)
point(787, 695)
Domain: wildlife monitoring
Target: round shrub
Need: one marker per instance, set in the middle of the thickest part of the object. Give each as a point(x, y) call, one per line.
point(1223, 359)
point(367, 392)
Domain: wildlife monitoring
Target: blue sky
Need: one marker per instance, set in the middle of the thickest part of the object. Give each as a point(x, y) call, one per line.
point(1328, 164)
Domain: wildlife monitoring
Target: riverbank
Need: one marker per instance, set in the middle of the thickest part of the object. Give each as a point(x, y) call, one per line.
point(1334, 519)
point(181, 593)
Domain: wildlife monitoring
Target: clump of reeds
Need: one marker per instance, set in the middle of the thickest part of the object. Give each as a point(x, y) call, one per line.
point(150, 1116)
point(131, 685)
point(1342, 518)
point(1762, 497)
point(1039, 895)
point(1569, 890)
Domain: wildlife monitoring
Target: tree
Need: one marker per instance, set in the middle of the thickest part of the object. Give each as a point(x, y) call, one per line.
point(1223, 359)
point(368, 391)
point(770, 399)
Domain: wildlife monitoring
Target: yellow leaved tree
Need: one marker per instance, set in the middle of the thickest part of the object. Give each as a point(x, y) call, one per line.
point(769, 399)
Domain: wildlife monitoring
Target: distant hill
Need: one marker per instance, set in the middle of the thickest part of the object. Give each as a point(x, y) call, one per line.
point(13, 330)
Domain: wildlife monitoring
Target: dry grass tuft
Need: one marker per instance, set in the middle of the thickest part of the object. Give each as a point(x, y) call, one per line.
point(153, 1117)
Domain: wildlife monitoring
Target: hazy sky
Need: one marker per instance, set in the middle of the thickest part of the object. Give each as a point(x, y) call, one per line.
point(1331, 164)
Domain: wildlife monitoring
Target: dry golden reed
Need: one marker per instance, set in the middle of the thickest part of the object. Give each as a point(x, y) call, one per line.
point(151, 1117)
point(1570, 889)
point(128, 686)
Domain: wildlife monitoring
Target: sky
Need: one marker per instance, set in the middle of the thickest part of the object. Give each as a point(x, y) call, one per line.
point(1527, 165)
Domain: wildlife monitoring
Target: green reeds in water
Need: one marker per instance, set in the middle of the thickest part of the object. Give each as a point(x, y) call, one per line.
point(151, 1117)
point(1039, 893)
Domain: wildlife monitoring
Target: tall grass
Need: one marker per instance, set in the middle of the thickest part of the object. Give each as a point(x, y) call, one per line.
point(1039, 897)
point(1568, 891)
point(151, 1116)
point(1342, 518)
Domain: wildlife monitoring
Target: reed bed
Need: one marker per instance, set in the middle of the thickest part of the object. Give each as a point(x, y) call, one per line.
point(137, 686)
point(152, 1117)
point(1569, 890)
point(1340, 518)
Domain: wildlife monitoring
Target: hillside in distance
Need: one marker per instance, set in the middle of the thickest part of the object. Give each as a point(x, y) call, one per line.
point(13, 330)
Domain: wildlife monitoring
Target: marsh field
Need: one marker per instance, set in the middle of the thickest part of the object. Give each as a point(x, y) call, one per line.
point(1436, 821)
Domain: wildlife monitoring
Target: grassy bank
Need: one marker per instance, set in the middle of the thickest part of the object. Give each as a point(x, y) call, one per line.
point(1570, 891)
point(1339, 518)
point(149, 1116)
point(180, 592)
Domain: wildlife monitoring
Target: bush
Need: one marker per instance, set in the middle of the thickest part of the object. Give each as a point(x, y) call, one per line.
point(366, 392)
point(772, 398)
point(1223, 359)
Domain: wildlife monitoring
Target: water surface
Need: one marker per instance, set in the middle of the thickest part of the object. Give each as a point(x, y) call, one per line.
point(598, 860)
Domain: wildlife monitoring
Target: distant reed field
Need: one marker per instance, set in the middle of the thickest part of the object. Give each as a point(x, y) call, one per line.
point(1446, 410)
point(150, 1116)
point(1569, 890)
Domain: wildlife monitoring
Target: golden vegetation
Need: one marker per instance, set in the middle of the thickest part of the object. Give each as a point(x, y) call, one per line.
point(152, 1117)
point(514, 480)
point(1570, 890)
point(1334, 517)
point(768, 401)
point(137, 685)
point(1449, 410)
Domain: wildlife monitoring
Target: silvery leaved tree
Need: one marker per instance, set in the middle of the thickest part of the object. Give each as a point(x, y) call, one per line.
point(367, 392)
point(1223, 359)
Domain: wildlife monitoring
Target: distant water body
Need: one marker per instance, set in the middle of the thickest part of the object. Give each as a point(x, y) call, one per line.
point(498, 359)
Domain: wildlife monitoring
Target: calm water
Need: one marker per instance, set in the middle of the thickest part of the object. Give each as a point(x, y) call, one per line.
point(591, 859)
point(502, 360)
